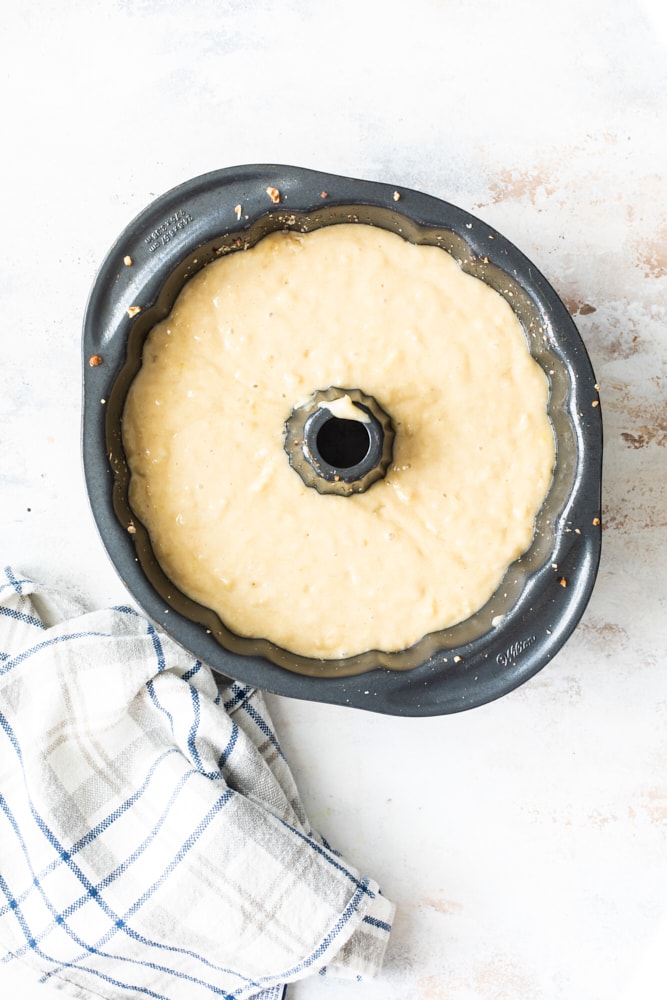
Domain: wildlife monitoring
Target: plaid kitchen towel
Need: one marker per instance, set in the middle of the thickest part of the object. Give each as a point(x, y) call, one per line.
point(152, 839)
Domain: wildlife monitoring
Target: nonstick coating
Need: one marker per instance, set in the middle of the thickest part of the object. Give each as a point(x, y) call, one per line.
point(543, 594)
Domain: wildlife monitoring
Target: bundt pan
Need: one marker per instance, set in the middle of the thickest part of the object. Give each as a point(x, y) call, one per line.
point(543, 594)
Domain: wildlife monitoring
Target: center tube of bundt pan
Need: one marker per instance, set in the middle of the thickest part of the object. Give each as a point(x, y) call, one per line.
point(340, 441)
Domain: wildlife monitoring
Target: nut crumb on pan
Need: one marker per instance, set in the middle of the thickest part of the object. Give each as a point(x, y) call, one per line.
point(596, 402)
point(133, 310)
point(397, 196)
point(563, 581)
point(596, 521)
point(237, 211)
point(94, 360)
point(127, 260)
point(324, 194)
point(131, 530)
point(274, 194)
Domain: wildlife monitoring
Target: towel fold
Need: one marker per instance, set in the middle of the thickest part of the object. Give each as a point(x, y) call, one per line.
point(152, 838)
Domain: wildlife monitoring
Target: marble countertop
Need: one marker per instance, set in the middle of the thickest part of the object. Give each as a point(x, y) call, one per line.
point(524, 842)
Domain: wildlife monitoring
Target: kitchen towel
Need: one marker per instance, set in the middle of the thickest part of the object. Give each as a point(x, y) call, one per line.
point(152, 838)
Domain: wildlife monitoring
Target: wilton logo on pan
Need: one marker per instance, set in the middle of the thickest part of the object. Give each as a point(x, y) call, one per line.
point(168, 229)
point(511, 653)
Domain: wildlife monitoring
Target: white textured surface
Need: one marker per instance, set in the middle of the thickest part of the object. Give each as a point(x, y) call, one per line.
point(524, 842)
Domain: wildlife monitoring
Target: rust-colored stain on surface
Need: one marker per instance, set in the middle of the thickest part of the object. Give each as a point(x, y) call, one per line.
point(448, 907)
point(652, 256)
point(500, 978)
point(639, 423)
point(522, 184)
point(646, 434)
point(605, 634)
point(649, 424)
point(654, 803)
point(577, 308)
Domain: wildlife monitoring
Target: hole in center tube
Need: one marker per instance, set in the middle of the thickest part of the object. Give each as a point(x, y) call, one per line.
point(343, 443)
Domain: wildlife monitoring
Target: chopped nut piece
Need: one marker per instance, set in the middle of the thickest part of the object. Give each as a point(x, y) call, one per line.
point(237, 211)
point(94, 360)
point(127, 260)
point(324, 194)
point(563, 581)
point(596, 521)
point(397, 196)
point(596, 402)
point(274, 194)
point(133, 310)
point(457, 659)
point(131, 530)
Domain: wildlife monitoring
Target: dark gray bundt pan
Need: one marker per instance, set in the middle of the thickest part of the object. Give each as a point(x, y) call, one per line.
point(543, 594)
